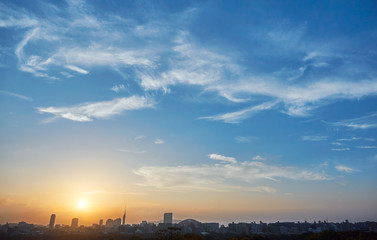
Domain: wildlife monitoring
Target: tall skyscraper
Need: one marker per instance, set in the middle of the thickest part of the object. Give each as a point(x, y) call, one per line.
point(124, 218)
point(52, 222)
point(168, 218)
point(75, 223)
point(100, 222)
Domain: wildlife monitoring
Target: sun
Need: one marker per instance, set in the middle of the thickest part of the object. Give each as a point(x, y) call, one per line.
point(81, 204)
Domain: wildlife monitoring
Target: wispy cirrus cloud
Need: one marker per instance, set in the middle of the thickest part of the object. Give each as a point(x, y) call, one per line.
point(130, 151)
point(159, 141)
point(367, 147)
point(64, 51)
point(161, 54)
point(360, 123)
point(223, 158)
point(236, 117)
point(244, 139)
point(258, 158)
point(340, 149)
point(76, 69)
point(315, 138)
point(118, 88)
point(210, 177)
point(299, 100)
point(17, 18)
point(345, 169)
point(103, 56)
point(87, 112)
point(16, 95)
point(139, 137)
point(356, 139)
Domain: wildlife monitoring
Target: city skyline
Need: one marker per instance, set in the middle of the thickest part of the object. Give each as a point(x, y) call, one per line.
point(166, 220)
point(212, 110)
point(162, 230)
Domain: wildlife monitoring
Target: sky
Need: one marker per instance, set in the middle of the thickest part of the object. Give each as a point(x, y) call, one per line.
point(218, 111)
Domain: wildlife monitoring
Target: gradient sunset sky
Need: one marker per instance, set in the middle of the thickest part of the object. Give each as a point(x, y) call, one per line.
point(214, 110)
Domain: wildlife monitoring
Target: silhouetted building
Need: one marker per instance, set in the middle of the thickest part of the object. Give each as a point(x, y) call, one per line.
point(100, 222)
point(109, 223)
point(191, 226)
point(75, 223)
point(117, 222)
point(211, 227)
point(52, 221)
point(124, 218)
point(168, 218)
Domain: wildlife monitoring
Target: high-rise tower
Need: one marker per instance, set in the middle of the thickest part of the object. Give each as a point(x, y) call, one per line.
point(124, 218)
point(75, 223)
point(168, 218)
point(52, 221)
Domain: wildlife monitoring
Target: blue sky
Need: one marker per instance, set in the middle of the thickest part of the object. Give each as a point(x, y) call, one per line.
point(254, 100)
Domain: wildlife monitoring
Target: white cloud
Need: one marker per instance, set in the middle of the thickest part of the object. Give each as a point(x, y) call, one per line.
point(213, 177)
point(342, 149)
point(322, 165)
point(243, 139)
point(365, 122)
point(310, 56)
point(223, 158)
point(104, 56)
point(356, 139)
point(139, 137)
point(76, 69)
point(159, 63)
point(367, 147)
point(258, 158)
point(235, 117)
point(16, 95)
point(10, 17)
point(118, 88)
point(314, 138)
point(130, 151)
point(189, 64)
point(159, 141)
point(342, 168)
point(360, 126)
point(98, 110)
point(299, 100)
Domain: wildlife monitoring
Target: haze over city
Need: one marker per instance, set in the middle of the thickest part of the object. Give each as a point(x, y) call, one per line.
point(218, 111)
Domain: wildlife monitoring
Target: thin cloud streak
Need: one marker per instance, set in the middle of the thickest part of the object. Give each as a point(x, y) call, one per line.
point(258, 158)
point(19, 96)
point(340, 149)
point(212, 176)
point(314, 138)
point(235, 117)
point(130, 151)
point(223, 158)
point(345, 169)
point(367, 147)
point(243, 139)
point(139, 137)
point(159, 141)
point(87, 112)
point(76, 69)
point(360, 123)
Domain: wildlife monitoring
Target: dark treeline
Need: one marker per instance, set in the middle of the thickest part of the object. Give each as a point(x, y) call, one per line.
point(326, 235)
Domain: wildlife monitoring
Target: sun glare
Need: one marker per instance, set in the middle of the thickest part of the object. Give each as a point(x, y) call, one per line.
point(81, 204)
